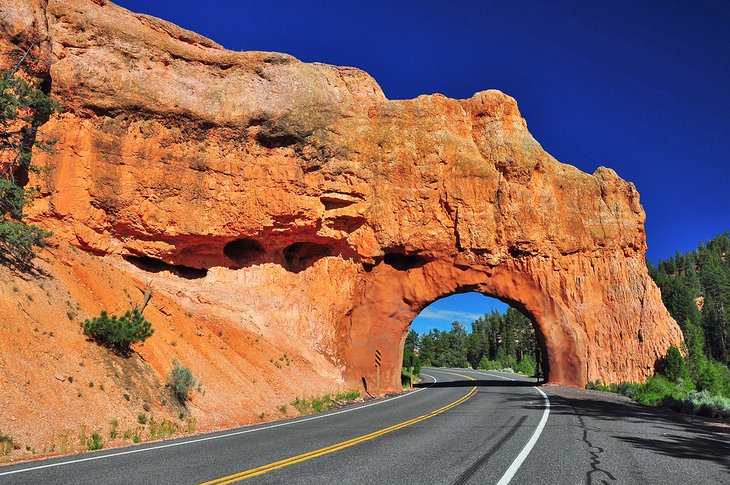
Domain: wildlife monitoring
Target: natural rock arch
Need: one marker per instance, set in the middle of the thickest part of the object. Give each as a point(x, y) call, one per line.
point(351, 211)
point(391, 300)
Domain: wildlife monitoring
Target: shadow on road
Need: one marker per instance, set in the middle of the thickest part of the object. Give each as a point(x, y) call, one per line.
point(654, 429)
point(658, 430)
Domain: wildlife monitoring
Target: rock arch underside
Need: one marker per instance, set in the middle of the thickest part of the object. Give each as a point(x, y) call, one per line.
point(296, 196)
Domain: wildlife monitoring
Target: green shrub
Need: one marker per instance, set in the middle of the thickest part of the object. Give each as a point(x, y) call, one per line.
point(407, 355)
point(95, 442)
point(526, 366)
point(673, 366)
point(118, 333)
point(486, 364)
point(625, 388)
point(320, 404)
point(142, 418)
point(508, 361)
point(161, 430)
point(597, 386)
point(405, 377)
point(712, 376)
point(180, 381)
point(301, 405)
point(659, 390)
point(705, 403)
point(114, 429)
point(18, 240)
point(6, 444)
point(347, 396)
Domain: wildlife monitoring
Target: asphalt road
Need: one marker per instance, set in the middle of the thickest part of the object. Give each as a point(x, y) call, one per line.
point(466, 427)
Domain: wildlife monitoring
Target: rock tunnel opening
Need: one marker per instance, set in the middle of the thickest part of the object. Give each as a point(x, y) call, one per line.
point(473, 330)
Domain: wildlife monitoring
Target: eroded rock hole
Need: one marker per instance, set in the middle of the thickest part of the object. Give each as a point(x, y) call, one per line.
point(521, 251)
point(299, 256)
point(333, 202)
point(275, 140)
point(404, 262)
point(153, 265)
point(243, 251)
point(346, 223)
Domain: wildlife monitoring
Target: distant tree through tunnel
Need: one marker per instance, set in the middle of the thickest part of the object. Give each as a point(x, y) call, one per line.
point(472, 330)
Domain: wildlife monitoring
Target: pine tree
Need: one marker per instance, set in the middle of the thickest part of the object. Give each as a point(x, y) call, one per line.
point(24, 107)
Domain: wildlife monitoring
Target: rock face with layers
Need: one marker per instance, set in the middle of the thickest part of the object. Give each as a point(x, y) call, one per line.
point(297, 196)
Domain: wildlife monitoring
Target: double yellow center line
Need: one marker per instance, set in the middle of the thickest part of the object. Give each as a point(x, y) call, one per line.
point(260, 470)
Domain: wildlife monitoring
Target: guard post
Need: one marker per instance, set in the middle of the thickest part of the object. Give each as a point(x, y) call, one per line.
point(378, 361)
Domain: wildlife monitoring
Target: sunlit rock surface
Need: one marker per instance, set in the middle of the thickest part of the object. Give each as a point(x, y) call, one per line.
point(294, 201)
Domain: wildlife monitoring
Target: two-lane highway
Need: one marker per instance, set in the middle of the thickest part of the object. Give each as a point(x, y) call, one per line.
point(463, 427)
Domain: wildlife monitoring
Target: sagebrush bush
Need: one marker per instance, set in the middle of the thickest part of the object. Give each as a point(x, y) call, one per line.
point(180, 381)
point(706, 404)
point(118, 333)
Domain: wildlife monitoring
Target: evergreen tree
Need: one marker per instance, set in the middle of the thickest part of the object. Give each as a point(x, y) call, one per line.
point(695, 289)
point(496, 341)
point(412, 340)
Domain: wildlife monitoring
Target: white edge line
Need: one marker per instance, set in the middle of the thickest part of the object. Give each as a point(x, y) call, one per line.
point(517, 463)
point(209, 438)
point(528, 447)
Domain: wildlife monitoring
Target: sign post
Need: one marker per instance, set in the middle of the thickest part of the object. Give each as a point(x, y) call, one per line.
point(411, 371)
point(378, 361)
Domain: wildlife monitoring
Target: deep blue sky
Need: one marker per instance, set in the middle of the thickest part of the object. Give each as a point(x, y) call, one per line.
point(641, 87)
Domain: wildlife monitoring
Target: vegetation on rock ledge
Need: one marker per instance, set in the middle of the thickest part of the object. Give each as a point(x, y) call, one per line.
point(24, 107)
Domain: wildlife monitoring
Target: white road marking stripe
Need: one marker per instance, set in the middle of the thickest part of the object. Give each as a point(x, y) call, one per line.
point(528, 447)
point(209, 438)
point(517, 463)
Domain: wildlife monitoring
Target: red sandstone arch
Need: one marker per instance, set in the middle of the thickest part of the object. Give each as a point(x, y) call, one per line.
point(345, 211)
point(392, 299)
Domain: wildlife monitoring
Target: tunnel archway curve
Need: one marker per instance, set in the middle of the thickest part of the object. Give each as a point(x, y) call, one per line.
point(391, 299)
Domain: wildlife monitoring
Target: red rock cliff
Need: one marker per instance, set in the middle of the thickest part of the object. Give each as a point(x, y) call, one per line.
point(307, 203)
